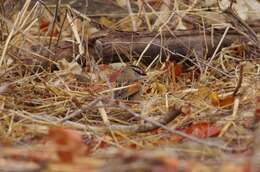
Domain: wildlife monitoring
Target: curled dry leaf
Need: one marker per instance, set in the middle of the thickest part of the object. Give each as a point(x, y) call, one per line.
point(43, 24)
point(171, 163)
point(221, 102)
point(44, 27)
point(68, 143)
point(173, 69)
point(201, 130)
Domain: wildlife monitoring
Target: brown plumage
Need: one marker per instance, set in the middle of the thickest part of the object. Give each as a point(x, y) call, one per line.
point(130, 75)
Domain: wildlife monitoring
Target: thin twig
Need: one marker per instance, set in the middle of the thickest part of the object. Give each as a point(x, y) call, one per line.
point(172, 114)
point(216, 50)
point(234, 116)
point(134, 25)
point(54, 21)
point(240, 79)
point(80, 111)
point(182, 134)
point(61, 28)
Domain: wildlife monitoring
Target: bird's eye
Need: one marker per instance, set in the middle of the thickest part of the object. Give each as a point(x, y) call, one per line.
point(138, 70)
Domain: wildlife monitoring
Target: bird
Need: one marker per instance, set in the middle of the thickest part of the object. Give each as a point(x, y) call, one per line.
point(129, 75)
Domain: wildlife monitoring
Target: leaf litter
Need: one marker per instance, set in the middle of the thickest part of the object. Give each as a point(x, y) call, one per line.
point(58, 107)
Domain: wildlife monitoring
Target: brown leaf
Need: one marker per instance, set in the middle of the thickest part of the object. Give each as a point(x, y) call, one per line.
point(257, 110)
point(202, 130)
point(172, 163)
point(44, 26)
point(173, 69)
point(221, 102)
point(68, 143)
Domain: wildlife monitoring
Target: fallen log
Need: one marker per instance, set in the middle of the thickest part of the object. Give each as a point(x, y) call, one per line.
point(107, 47)
point(113, 46)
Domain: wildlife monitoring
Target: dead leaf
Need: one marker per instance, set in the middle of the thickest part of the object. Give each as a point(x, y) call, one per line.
point(68, 143)
point(231, 167)
point(202, 130)
point(199, 167)
point(257, 110)
point(171, 163)
point(43, 24)
point(44, 27)
point(177, 68)
point(173, 69)
point(221, 102)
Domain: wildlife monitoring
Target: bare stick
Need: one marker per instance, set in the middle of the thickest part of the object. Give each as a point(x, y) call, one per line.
point(54, 21)
point(78, 112)
point(172, 114)
point(239, 80)
point(182, 134)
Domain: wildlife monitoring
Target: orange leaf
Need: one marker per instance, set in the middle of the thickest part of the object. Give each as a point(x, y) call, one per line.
point(177, 69)
point(257, 110)
point(176, 138)
point(171, 163)
point(44, 24)
point(227, 101)
point(174, 69)
point(202, 130)
point(215, 100)
point(221, 102)
point(257, 114)
point(68, 143)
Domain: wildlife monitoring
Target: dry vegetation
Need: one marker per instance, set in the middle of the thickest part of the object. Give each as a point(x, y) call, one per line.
point(67, 105)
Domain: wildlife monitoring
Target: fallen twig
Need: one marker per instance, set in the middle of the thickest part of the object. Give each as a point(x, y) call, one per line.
point(240, 79)
point(182, 134)
point(172, 114)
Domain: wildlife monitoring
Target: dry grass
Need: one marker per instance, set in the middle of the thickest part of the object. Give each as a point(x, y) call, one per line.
point(34, 97)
